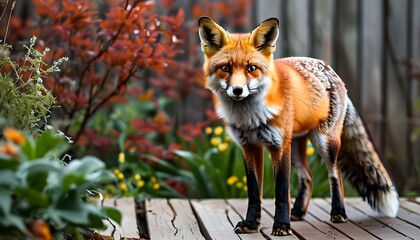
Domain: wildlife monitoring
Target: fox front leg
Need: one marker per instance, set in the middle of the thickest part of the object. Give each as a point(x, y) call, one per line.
point(281, 166)
point(254, 161)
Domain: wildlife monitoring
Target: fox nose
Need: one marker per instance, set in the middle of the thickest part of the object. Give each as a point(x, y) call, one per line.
point(237, 90)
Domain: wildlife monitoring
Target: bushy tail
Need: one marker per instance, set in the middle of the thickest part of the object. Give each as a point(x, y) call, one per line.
point(360, 163)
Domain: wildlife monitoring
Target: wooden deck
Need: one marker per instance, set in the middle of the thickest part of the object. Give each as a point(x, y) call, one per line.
point(215, 219)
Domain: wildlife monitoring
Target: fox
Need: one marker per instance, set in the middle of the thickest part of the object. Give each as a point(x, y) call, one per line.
point(279, 104)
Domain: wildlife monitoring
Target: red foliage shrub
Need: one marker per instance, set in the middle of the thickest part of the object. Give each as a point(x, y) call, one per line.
point(120, 47)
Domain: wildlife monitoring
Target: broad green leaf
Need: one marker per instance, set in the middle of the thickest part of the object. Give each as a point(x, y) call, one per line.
point(50, 144)
point(37, 180)
point(12, 220)
point(85, 165)
point(6, 162)
point(8, 179)
point(112, 213)
point(5, 201)
point(34, 198)
point(71, 180)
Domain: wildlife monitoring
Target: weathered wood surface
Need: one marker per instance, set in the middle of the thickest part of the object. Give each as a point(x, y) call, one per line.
point(216, 218)
point(129, 227)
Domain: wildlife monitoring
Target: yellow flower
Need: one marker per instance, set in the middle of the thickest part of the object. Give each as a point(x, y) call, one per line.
point(215, 141)
point(14, 136)
point(310, 151)
point(244, 179)
point(106, 196)
point(208, 130)
point(137, 176)
point(218, 130)
point(140, 184)
point(153, 179)
point(123, 186)
point(116, 171)
point(156, 186)
point(227, 139)
point(223, 147)
point(121, 157)
point(120, 176)
point(231, 180)
point(239, 184)
point(245, 188)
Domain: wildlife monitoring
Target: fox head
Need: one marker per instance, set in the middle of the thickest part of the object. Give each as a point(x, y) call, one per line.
point(237, 65)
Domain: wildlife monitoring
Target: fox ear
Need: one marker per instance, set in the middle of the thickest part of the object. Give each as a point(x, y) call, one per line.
point(212, 36)
point(264, 37)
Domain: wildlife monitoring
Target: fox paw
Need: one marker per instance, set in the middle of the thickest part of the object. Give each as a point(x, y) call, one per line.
point(246, 227)
point(281, 229)
point(297, 214)
point(338, 216)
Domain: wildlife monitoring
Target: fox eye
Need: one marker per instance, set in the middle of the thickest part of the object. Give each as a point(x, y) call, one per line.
point(225, 68)
point(252, 68)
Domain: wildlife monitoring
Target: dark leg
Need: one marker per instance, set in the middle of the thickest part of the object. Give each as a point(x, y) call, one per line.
point(328, 146)
point(300, 162)
point(253, 158)
point(281, 166)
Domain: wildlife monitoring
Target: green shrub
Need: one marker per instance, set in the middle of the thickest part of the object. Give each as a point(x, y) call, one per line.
point(39, 194)
point(24, 101)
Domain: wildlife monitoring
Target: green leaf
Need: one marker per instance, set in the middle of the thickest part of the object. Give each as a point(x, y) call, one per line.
point(5, 201)
point(49, 144)
point(8, 179)
point(72, 180)
point(6, 162)
point(102, 177)
point(37, 180)
point(72, 209)
point(112, 213)
point(13, 221)
point(86, 165)
point(34, 198)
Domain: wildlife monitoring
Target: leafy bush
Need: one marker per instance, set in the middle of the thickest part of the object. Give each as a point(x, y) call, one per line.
point(41, 196)
point(24, 100)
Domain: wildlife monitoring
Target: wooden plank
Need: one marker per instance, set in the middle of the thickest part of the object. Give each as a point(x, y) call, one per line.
point(408, 216)
point(411, 206)
point(213, 217)
point(128, 228)
point(171, 219)
point(301, 229)
point(323, 41)
point(235, 215)
point(322, 226)
point(369, 224)
point(381, 226)
point(394, 223)
point(110, 226)
point(370, 63)
point(240, 206)
point(159, 217)
point(322, 212)
point(185, 221)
